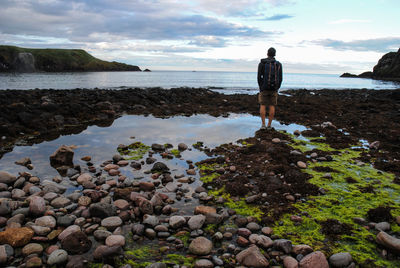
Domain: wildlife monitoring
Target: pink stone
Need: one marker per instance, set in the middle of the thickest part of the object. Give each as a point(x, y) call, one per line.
point(315, 259)
point(115, 240)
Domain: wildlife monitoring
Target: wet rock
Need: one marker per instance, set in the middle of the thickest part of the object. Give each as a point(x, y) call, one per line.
point(182, 147)
point(86, 158)
point(57, 257)
point(32, 248)
point(105, 252)
point(102, 210)
point(34, 262)
point(76, 261)
point(302, 249)
point(60, 202)
point(150, 220)
point(16, 237)
point(7, 178)
point(191, 171)
point(200, 246)
point(76, 243)
point(40, 230)
point(23, 161)
point(196, 222)
point(203, 263)
point(115, 240)
point(63, 156)
point(159, 167)
point(339, 260)
point(315, 259)
point(101, 235)
point(66, 220)
point(290, 262)
point(6, 251)
point(157, 147)
point(382, 226)
point(241, 241)
point(111, 222)
point(146, 186)
point(121, 204)
point(69, 230)
point(204, 210)
point(388, 241)
point(261, 240)
point(37, 206)
point(46, 221)
point(177, 222)
point(84, 178)
point(284, 245)
point(252, 257)
point(301, 164)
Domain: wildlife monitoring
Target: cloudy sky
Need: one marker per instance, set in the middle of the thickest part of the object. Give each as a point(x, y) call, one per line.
point(311, 36)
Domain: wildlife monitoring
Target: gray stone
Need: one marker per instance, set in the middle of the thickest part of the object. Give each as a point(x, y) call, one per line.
point(7, 178)
point(69, 230)
point(252, 257)
point(17, 193)
point(388, 241)
point(111, 222)
point(177, 221)
point(37, 206)
point(200, 246)
point(102, 210)
point(150, 220)
point(284, 245)
point(40, 230)
point(382, 226)
point(150, 233)
point(339, 260)
point(5, 208)
point(157, 265)
point(252, 226)
point(46, 221)
point(58, 256)
point(203, 263)
point(66, 220)
point(60, 202)
point(101, 235)
point(159, 167)
point(182, 147)
point(196, 222)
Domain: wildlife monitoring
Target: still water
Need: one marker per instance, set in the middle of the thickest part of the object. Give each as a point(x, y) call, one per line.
point(226, 82)
point(101, 142)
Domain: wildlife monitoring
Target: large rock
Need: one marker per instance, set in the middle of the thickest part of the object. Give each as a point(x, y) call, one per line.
point(105, 252)
point(37, 206)
point(204, 210)
point(388, 66)
point(102, 210)
point(252, 257)
point(159, 167)
point(111, 222)
point(315, 259)
point(7, 178)
point(339, 260)
point(16, 237)
point(388, 241)
point(196, 222)
point(200, 246)
point(58, 256)
point(46, 221)
point(76, 243)
point(60, 202)
point(177, 221)
point(63, 156)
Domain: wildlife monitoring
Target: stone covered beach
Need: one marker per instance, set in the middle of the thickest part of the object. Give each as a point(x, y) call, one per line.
point(327, 196)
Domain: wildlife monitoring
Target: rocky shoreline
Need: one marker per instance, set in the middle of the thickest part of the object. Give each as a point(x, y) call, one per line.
point(113, 220)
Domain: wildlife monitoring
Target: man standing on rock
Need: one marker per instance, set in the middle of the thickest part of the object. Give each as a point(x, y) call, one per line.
point(269, 78)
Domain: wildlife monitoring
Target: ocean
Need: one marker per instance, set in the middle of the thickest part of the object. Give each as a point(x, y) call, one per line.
point(226, 82)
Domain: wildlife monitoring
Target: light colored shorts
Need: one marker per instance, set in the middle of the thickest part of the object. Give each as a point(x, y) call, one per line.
point(268, 98)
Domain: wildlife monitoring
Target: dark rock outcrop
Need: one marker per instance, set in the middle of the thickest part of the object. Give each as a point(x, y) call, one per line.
point(388, 67)
point(18, 59)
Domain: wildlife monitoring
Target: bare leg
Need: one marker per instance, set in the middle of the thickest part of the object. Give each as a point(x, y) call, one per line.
point(271, 114)
point(262, 114)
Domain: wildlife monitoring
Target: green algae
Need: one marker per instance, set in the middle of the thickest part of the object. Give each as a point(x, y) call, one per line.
point(210, 177)
point(179, 259)
point(184, 237)
point(343, 201)
point(239, 205)
point(176, 152)
point(134, 151)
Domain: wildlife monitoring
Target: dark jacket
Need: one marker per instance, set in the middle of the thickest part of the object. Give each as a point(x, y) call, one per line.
point(260, 74)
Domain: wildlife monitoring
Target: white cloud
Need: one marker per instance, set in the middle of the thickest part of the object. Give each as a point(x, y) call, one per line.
point(345, 21)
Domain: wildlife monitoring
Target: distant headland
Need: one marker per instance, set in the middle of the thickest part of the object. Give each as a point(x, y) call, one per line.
point(388, 68)
point(18, 59)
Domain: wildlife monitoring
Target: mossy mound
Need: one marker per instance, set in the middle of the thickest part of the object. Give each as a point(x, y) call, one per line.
point(134, 151)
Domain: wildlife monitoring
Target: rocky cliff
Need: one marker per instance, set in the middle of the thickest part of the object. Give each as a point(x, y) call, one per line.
point(17, 59)
point(388, 68)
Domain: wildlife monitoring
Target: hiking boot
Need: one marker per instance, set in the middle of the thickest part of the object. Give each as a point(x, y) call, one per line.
point(263, 127)
point(270, 128)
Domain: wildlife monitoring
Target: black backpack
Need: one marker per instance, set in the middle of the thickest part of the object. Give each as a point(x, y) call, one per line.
point(271, 73)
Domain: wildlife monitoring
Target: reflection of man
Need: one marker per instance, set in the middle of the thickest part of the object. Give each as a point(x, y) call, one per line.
point(269, 78)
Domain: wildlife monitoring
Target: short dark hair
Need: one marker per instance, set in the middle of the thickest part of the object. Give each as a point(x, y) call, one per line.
point(271, 52)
